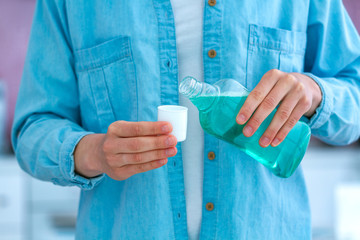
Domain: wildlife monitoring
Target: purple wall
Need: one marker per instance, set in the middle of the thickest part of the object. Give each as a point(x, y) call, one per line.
point(353, 7)
point(15, 23)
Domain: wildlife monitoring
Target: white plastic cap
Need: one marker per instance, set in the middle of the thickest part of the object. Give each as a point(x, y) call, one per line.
point(177, 116)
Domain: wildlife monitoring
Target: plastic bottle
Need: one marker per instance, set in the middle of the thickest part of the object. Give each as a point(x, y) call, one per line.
point(219, 105)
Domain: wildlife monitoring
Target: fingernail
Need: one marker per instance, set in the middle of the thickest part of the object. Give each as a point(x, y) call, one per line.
point(169, 152)
point(241, 119)
point(170, 141)
point(275, 142)
point(165, 128)
point(265, 141)
point(162, 162)
point(248, 131)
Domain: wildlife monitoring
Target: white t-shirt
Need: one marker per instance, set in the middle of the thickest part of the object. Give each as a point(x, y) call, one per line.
point(189, 33)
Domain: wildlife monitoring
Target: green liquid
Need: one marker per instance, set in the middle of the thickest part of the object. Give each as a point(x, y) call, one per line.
point(219, 119)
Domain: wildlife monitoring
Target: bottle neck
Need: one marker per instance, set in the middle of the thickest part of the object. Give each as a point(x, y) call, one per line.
point(201, 94)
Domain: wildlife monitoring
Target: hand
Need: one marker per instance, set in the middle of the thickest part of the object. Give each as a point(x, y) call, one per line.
point(297, 94)
point(126, 149)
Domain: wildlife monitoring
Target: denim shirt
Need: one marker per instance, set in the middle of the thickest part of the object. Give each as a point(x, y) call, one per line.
point(93, 62)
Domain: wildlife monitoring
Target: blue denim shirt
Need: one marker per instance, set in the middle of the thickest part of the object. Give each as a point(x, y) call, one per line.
point(92, 62)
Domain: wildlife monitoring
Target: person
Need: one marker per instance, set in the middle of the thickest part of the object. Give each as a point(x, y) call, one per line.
point(97, 70)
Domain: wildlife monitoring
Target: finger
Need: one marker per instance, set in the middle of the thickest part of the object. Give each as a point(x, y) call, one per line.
point(127, 171)
point(143, 144)
point(281, 116)
point(270, 102)
point(295, 116)
point(133, 169)
point(134, 129)
point(257, 95)
point(120, 160)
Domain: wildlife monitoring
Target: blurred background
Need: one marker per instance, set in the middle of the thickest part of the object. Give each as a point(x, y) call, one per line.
point(35, 210)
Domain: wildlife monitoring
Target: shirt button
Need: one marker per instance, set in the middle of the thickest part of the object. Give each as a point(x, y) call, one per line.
point(209, 206)
point(211, 155)
point(212, 3)
point(212, 53)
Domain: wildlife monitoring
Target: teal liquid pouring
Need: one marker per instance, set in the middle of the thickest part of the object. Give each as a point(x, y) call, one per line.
point(219, 105)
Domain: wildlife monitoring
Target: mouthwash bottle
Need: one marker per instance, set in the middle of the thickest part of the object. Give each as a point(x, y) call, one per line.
point(219, 105)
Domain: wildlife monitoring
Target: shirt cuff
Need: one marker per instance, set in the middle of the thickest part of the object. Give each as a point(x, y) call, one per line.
point(67, 163)
point(322, 113)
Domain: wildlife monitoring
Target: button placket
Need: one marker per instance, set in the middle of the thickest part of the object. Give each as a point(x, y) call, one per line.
point(212, 73)
point(169, 96)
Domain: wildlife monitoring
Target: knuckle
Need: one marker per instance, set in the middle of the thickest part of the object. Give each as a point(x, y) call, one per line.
point(281, 135)
point(140, 168)
point(137, 158)
point(284, 114)
point(137, 129)
point(107, 146)
point(154, 129)
point(152, 165)
point(274, 71)
point(120, 122)
point(159, 142)
point(289, 79)
point(255, 121)
point(257, 95)
point(300, 87)
point(160, 154)
point(270, 133)
point(117, 126)
point(124, 159)
point(246, 111)
point(306, 103)
point(291, 122)
point(134, 145)
point(112, 127)
point(269, 102)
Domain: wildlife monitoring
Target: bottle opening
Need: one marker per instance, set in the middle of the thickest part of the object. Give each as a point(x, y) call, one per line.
point(190, 87)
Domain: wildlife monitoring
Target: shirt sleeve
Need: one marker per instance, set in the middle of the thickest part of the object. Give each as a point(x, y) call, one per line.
point(333, 60)
point(47, 120)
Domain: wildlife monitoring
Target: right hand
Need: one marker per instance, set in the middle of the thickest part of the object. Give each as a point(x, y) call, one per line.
point(126, 149)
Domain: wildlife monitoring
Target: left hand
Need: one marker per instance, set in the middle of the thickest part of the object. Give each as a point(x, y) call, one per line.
point(297, 95)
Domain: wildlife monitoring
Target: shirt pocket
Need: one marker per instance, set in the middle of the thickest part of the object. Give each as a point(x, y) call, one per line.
point(107, 82)
point(273, 48)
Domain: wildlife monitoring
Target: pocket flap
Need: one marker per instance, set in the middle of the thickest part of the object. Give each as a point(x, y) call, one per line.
point(277, 39)
point(103, 54)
